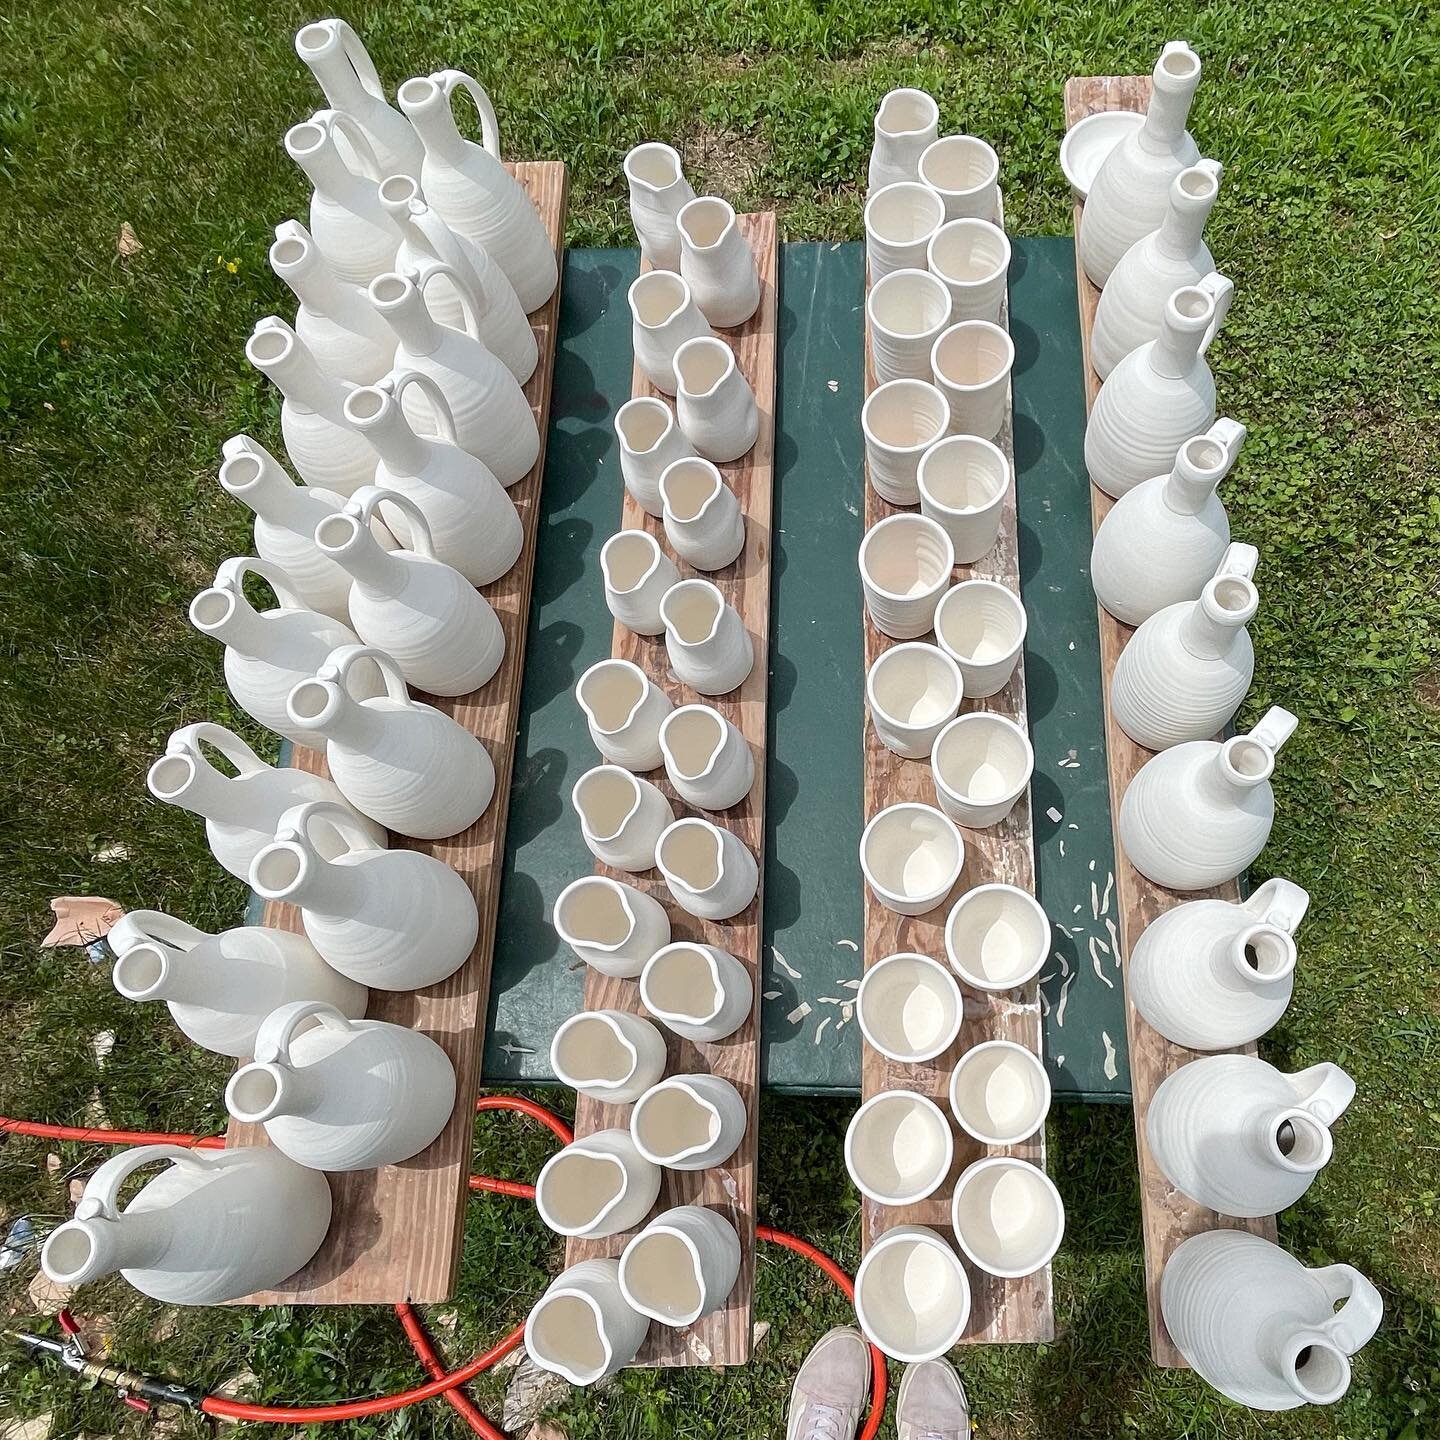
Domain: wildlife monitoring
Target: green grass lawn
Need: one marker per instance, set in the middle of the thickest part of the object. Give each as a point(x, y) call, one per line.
point(119, 378)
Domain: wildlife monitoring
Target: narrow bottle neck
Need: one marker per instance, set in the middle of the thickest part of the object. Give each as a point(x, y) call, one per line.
point(246, 631)
point(1186, 490)
point(1175, 351)
point(412, 323)
point(1169, 109)
point(402, 451)
point(435, 124)
point(336, 77)
point(370, 565)
point(314, 285)
point(302, 382)
point(1208, 636)
point(1182, 227)
point(332, 178)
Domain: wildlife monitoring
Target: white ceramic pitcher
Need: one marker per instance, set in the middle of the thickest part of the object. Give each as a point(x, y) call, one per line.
point(582, 1327)
point(906, 125)
point(681, 1266)
point(703, 521)
point(713, 400)
point(706, 641)
point(709, 872)
point(637, 573)
point(689, 1122)
point(663, 316)
point(613, 928)
point(608, 1055)
point(699, 991)
point(658, 193)
point(623, 710)
point(650, 440)
point(597, 1186)
point(717, 263)
point(707, 759)
point(621, 816)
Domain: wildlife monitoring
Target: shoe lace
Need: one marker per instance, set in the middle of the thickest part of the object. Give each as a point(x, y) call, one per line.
point(825, 1422)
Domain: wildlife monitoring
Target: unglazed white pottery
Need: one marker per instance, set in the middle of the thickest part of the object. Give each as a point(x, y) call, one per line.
point(1154, 268)
point(999, 1092)
point(997, 937)
point(613, 928)
point(912, 692)
point(1162, 540)
point(1088, 142)
point(709, 872)
point(336, 1094)
point(706, 641)
point(637, 573)
point(1008, 1216)
point(1261, 1328)
point(912, 1296)
point(901, 420)
point(1214, 975)
point(220, 987)
point(912, 856)
point(1242, 1138)
point(212, 1226)
point(971, 364)
point(623, 709)
point(713, 400)
point(621, 816)
point(963, 481)
point(324, 450)
point(699, 991)
point(689, 1122)
point(663, 316)
point(909, 1008)
point(582, 1327)
point(240, 811)
point(390, 919)
point(608, 1055)
point(707, 759)
point(981, 625)
point(267, 652)
point(703, 520)
point(681, 1266)
point(1198, 814)
point(472, 192)
point(905, 567)
point(1128, 195)
point(964, 172)
point(899, 221)
point(906, 311)
point(972, 257)
point(659, 191)
point(650, 441)
point(717, 263)
point(601, 1185)
point(405, 764)
point(905, 124)
point(981, 764)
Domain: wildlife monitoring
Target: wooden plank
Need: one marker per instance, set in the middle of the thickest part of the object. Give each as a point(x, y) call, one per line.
point(1167, 1216)
point(396, 1231)
point(722, 1338)
point(1002, 1311)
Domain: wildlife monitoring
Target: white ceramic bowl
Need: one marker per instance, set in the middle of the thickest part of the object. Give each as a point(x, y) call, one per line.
point(899, 1147)
point(997, 937)
point(1087, 144)
point(909, 1007)
point(1008, 1216)
point(999, 1092)
point(912, 1296)
point(912, 856)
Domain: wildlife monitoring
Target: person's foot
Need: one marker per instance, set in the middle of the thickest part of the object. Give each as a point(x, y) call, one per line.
point(830, 1390)
point(932, 1404)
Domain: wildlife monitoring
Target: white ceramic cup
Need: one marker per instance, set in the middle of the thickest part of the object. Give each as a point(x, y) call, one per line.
point(965, 173)
point(981, 764)
point(913, 691)
point(906, 563)
point(1008, 1216)
point(963, 481)
point(899, 222)
point(999, 1092)
point(900, 421)
point(909, 1007)
point(997, 937)
point(898, 1147)
point(972, 257)
point(980, 624)
point(912, 1296)
point(907, 313)
point(699, 991)
point(912, 856)
point(971, 364)
point(637, 573)
point(608, 1055)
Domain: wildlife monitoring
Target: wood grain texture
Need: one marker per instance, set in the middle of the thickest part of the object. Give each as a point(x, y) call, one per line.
point(1167, 1216)
point(724, 1337)
point(396, 1231)
point(1002, 1311)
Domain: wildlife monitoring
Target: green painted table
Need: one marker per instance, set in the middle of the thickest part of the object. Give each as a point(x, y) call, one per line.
point(812, 878)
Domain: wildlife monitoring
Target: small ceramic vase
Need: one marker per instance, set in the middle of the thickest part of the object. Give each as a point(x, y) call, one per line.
point(650, 441)
point(608, 1055)
point(1007, 1216)
point(912, 1296)
point(713, 400)
point(613, 928)
point(906, 562)
point(707, 759)
point(981, 764)
point(912, 692)
point(981, 625)
point(621, 817)
point(963, 481)
point(699, 991)
point(706, 641)
point(659, 191)
point(900, 220)
point(972, 257)
point(965, 173)
point(623, 709)
point(898, 1147)
point(689, 1122)
point(901, 420)
point(663, 316)
point(703, 520)
point(717, 263)
point(708, 871)
point(909, 1008)
point(997, 937)
point(971, 363)
point(583, 1328)
point(681, 1266)
point(999, 1092)
point(906, 311)
point(906, 124)
point(597, 1187)
point(637, 575)
point(911, 856)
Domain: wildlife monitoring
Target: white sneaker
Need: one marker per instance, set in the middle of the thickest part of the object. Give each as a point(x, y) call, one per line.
point(932, 1404)
point(831, 1389)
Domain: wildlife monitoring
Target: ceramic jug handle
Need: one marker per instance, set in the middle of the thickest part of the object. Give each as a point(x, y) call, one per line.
point(1222, 292)
point(135, 927)
point(227, 742)
point(451, 80)
point(472, 301)
point(273, 1046)
point(338, 120)
point(295, 825)
point(338, 664)
point(365, 501)
point(102, 1192)
point(1325, 1090)
point(1276, 726)
point(232, 572)
point(1281, 903)
point(1238, 559)
point(398, 381)
point(1359, 1317)
point(1229, 435)
point(359, 58)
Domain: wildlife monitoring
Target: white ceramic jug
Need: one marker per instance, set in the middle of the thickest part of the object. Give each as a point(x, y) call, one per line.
point(267, 652)
point(242, 810)
point(706, 640)
point(613, 928)
point(582, 1327)
point(220, 987)
point(912, 1296)
point(424, 614)
point(707, 759)
point(336, 1094)
point(663, 316)
point(473, 523)
point(212, 1226)
point(472, 191)
point(703, 520)
point(338, 325)
point(906, 125)
point(1162, 540)
point(1158, 396)
point(1242, 1138)
point(1128, 195)
point(659, 191)
point(405, 764)
point(1213, 975)
point(681, 1266)
point(391, 919)
point(623, 710)
point(637, 574)
point(621, 816)
point(608, 1055)
point(597, 1186)
point(1261, 1328)
point(713, 400)
point(650, 440)
point(699, 991)
point(1196, 815)
point(324, 450)
point(1154, 268)
point(709, 872)
point(717, 263)
point(689, 1122)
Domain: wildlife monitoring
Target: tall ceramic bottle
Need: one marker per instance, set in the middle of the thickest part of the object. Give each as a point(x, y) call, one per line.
point(1196, 815)
point(1162, 540)
point(1160, 395)
point(1127, 197)
point(1154, 267)
point(1184, 672)
point(472, 191)
point(492, 417)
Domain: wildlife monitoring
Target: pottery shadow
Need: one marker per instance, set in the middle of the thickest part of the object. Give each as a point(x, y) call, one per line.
point(1042, 687)
point(530, 939)
point(552, 668)
point(1029, 441)
point(537, 794)
point(1026, 342)
point(586, 293)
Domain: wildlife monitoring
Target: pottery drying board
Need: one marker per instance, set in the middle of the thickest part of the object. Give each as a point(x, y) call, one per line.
point(1167, 1216)
point(396, 1232)
point(1001, 1311)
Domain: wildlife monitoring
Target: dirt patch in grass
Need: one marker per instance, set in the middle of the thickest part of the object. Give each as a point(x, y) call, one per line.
point(726, 162)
